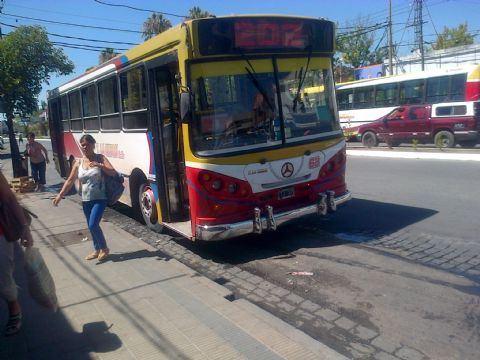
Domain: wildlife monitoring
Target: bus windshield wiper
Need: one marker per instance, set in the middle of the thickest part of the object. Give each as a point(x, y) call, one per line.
point(302, 79)
point(253, 76)
point(259, 87)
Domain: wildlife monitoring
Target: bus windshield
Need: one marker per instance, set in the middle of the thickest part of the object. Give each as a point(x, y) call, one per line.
point(238, 105)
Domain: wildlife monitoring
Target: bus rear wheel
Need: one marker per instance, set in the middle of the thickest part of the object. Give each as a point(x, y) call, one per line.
point(444, 139)
point(148, 207)
point(369, 139)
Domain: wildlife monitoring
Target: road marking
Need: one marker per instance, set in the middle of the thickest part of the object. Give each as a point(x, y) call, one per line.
point(414, 155)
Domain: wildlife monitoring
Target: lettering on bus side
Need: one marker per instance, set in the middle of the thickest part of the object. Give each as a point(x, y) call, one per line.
point(110, 150)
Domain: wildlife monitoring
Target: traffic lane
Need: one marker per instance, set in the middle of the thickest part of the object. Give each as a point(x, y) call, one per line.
point(448, 190)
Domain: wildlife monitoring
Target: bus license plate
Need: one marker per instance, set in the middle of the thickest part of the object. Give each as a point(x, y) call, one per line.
point(286, 193)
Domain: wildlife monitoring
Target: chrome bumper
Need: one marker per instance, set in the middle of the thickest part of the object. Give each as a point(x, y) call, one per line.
point(259, 223)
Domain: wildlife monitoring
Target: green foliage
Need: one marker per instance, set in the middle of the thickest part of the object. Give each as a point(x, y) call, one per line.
point(155, 24)
point(415, 143)
point(356, 46)
point(28, 59)
point(453, 37)
point(106, 54)
point(197, 13)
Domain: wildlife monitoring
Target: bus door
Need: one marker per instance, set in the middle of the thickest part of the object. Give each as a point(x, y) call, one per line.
point(56, 136)
point(171, 161)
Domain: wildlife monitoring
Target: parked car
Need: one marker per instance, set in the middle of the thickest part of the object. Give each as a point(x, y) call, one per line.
point(444, 124)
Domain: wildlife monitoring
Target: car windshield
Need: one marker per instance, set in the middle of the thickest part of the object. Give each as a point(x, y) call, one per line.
point(238, 106)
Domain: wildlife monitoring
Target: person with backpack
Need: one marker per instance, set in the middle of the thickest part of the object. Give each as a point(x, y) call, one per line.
point(91, 171)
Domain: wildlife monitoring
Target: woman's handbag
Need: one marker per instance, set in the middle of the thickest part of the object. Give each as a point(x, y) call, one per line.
point(114, 188)
point(113, 185)
point(40, 282)
point(12, 226)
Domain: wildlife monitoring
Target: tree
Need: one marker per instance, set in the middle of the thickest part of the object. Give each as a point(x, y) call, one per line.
point(106, 54)
point(154, 25)
point(197, 13)
point(28, 59)
point(453, 37)
point(356, 46)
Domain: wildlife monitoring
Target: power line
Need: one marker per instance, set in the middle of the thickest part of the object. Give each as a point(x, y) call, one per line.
point(79, 38)
point(140, 9)
point(85, 46)
point(76, 16)
point(72, 24)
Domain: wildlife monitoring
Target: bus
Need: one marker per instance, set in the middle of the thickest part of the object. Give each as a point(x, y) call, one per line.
point(363, 101)
point(204, 123)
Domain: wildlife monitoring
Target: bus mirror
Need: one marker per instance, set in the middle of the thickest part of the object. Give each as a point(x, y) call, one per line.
point(186, 100)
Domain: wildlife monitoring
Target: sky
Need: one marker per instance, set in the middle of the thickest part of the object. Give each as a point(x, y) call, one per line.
point(436, 14)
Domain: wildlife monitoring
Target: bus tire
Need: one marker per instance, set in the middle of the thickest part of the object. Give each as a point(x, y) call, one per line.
point(148, 207)
point(369, 139)
point(444, 139)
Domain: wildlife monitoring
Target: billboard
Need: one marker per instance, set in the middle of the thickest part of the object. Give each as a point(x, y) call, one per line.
point(369, 72)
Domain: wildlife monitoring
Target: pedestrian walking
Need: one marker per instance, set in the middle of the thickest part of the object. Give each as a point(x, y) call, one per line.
point(38, 160)
point(20, 138)
point(91, 171)
point(8, 287)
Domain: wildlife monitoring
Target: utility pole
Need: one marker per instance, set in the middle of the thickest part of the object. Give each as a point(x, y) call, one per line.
point(418, 22)
point(390, 45)
point(2, 2)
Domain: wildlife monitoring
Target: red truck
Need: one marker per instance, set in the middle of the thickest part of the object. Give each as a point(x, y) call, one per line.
point(444, 124)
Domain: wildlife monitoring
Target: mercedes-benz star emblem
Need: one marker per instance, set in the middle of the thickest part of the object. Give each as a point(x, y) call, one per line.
point(287, 169)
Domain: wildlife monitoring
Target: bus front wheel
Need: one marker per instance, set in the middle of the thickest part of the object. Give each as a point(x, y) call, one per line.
point(148, 207)
point(369, 139)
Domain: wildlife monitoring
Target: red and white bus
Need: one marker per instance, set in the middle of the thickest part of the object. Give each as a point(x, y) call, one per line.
point(363, 101)
point(199, 122)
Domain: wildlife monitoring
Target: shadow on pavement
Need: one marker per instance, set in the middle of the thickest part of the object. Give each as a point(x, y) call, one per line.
point(49, 335)
point(357, 218)
point(140, 254)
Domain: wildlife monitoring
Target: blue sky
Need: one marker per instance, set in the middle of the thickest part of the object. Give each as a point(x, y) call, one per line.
point(436, 13)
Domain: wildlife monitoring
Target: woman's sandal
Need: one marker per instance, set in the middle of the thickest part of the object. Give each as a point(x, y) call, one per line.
point(14, 324)
point(103, 254)
point(92, 256)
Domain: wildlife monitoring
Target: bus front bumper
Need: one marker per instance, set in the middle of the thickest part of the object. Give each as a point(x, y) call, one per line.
point(327, 203)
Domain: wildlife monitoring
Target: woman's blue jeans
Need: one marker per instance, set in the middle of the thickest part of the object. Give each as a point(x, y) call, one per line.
point(93, 211)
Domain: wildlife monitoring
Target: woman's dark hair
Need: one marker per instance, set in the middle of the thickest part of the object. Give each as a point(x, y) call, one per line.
point(31, 135)
point(88, 138)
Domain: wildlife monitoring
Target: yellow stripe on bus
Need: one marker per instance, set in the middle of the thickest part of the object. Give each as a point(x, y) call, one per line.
point(268, 155)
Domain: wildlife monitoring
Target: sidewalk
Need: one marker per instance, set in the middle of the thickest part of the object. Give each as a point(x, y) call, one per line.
point(139, 304)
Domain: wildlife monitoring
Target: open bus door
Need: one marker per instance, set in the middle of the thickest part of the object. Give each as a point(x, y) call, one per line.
point(168, 145)
point(56, 136)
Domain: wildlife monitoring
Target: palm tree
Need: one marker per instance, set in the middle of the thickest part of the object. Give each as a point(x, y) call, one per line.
point(106, 54)
point(197, 13)
point(154, 25)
